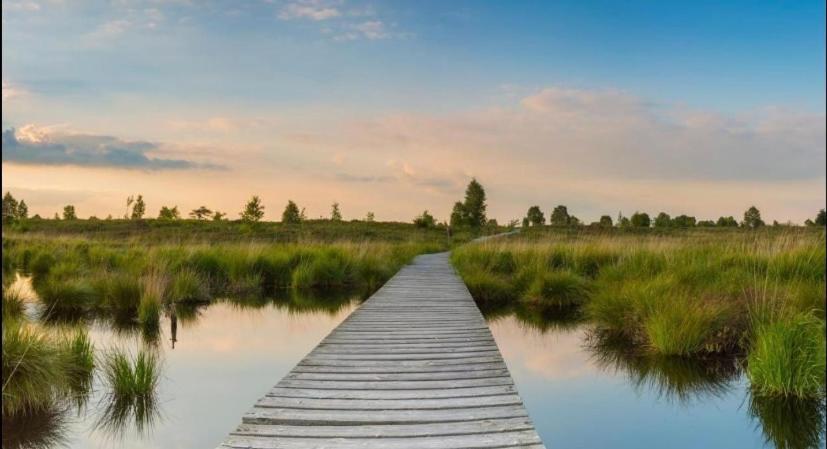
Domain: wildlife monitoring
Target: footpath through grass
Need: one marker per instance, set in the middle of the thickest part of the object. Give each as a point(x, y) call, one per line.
point(759, 295)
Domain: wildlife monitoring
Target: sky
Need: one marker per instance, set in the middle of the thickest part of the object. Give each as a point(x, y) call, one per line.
point(703, 108)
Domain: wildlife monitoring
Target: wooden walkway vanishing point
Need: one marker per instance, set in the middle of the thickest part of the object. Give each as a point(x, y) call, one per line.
point(415, 366)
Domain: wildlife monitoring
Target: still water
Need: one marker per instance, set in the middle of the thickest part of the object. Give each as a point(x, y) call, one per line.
point(579, 394)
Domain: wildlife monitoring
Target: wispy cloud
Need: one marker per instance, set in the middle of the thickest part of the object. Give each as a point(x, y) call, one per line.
point(316, 10)
point(34, 145)
point(12, 90)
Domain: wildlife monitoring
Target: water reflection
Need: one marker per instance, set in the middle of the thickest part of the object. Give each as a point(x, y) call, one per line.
point(790, 423)
point(227, 353)
point(672, 378)
point(43, 428)
point(574, 380)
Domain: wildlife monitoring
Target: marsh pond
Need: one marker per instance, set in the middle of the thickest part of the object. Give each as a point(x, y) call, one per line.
point(217, 360)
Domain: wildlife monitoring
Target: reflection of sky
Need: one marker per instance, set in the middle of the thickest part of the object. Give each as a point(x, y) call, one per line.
point(576, 405)
point(217, 371)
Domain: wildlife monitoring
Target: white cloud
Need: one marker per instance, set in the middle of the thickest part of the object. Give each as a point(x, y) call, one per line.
point(27, 6)
point(316, 10)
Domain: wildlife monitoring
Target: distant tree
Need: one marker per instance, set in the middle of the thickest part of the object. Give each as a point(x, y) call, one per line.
point(574, 221)
point(335, 213)
point(458, 215)
point(219, 216)
point(425, 220)
point(622, 222)
point(663, 220)
point(167, 213)
point(69, 213)
point(291, 214)
point(9, 208)
point(93, 218)
point(474, 206)
point(809, 222)
point(253, 210)
point(525, 222)
point(56, 217)
point(22, 210)
point(513, 223)
point(821, 218)
point(109, 217)
point(729, 221)
point(752, 218)
point(139, 209)
point(683, 221)
point(535, 216)
point(606, 221)
point(370, 218)
point(641, 220)
point(201, 213)
point(559, 216)
point(706, 224)
point(37, 217)
point(129, 200)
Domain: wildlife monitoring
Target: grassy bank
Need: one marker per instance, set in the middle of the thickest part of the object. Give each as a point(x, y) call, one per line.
point(759, 295)
point(196, 231)
point(74, 276)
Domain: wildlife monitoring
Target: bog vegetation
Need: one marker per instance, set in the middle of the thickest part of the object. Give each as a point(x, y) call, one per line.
point(759, 295)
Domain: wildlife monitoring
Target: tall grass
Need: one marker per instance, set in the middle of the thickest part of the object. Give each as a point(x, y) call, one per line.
point(788, 358)
point(40, 368)
point(131, 383)
point(684, 294)
point(13, 302)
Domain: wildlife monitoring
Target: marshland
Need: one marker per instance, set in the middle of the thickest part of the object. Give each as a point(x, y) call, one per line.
point(125, 330)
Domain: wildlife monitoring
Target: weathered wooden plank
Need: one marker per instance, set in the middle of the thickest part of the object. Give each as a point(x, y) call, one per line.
point(450, 375)
point(395, 385)
point(391, 394)
point(399, 369)
point(305, 417)
point(471, 441)
point(391, 430)
point(388, 404)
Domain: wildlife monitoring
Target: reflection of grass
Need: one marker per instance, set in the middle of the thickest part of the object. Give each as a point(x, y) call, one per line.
point(42, 428)
point(675, 378)
point(790, 423)
point(132, 391)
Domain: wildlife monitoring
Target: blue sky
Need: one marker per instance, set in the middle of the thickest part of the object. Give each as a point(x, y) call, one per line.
point(315, 85)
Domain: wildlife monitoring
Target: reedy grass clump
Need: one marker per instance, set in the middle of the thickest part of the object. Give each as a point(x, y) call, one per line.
point(788, 358)
point(13, 302)
point(188, 286)
point(690, 294)
point(131, 383)
point(67, 297)
point(150, 306)
point(40, 368)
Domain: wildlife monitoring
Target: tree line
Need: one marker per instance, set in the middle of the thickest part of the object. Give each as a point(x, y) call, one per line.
point(751, 219)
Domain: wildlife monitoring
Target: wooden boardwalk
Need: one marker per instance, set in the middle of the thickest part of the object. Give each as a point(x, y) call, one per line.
point(415, 366)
